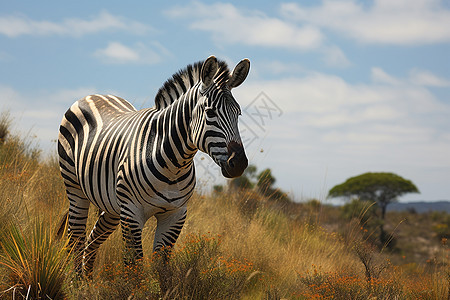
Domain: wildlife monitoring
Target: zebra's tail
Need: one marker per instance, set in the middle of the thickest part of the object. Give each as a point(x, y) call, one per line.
point(62, 225)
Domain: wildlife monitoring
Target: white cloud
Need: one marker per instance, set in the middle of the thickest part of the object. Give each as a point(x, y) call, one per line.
point(230, 25)
point(380, 76)
point(336, 129)
point(117, 53)
point(427, 78)
point(9, 97)
point(399, 22)
point(416, 78)
point(335, 57)
point(316, 93)
point(322, 102)
point(17, 25)
point(276, 68)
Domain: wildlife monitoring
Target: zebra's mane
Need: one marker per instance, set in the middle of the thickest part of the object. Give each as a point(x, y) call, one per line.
point(186, 78)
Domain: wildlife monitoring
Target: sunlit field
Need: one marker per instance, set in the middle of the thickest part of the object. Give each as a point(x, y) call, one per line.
point(235, 245)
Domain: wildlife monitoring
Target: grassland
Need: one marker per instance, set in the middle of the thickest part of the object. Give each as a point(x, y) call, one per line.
point(235, 245)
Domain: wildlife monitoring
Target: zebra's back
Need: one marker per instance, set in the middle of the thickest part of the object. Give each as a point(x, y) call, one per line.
point(92, 139)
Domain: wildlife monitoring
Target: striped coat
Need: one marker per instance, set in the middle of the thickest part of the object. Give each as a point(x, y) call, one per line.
point(135, 164)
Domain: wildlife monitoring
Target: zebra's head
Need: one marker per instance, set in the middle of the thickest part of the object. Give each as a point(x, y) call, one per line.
point(214, 124)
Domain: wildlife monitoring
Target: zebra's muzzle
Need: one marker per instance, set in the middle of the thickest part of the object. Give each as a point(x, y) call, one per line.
point(237, 161)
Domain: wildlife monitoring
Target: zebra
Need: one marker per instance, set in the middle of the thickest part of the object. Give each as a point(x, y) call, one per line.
point(134, 164)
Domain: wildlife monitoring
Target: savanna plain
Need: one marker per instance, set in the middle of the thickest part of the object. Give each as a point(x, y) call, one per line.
point(237, 243)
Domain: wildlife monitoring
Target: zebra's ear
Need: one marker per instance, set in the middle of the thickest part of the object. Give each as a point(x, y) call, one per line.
point(239, 74)
point(209, 69)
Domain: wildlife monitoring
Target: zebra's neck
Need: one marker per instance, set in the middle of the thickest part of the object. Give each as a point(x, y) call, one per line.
point(176, 146)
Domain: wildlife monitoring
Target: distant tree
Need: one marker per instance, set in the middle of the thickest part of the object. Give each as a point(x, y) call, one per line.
point(383, 188)
point(242, 182)
point(314, 204)
point(245, 181)
point(278, 195)
point(265, 181)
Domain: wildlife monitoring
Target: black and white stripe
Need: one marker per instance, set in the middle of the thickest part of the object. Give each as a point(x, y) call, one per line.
point(136, 164)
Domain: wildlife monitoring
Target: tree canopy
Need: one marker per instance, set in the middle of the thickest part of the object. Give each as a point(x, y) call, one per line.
point(262, 182)
point(384, 188)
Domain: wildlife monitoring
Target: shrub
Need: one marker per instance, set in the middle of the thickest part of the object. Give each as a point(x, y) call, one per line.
point(35, 262)
point(117, 281)
point(333, 285)
point(200, 271)
point(442, 231)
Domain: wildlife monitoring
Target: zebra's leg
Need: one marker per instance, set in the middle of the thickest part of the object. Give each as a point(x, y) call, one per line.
point(168, 229)
point(132, 233)
point(105, 225)
point(78, 214)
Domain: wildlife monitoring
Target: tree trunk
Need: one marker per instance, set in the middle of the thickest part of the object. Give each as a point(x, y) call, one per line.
point(383, 210)
point(383, 236)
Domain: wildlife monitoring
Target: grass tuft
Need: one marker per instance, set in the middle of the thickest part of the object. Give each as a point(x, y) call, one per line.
point(35, 263)
point(199, 270)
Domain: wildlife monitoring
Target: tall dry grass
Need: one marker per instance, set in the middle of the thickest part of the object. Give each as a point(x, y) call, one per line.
point(277, 246)
point(235, 245)
point(33, 264)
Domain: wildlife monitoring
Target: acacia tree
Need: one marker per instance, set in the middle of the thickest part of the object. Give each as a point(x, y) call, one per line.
point(383, 188)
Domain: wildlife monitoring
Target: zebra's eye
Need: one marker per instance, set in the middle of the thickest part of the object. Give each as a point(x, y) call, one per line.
point(210, 112)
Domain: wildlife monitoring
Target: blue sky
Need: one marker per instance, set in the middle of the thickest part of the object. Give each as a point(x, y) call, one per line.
point(336, 88)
